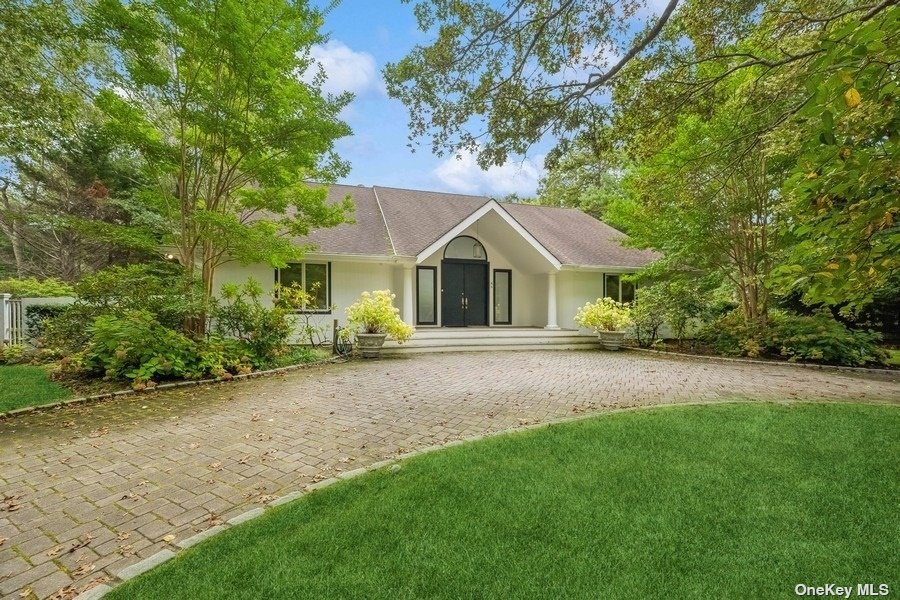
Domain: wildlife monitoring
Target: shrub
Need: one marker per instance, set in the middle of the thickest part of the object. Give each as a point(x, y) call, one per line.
point(295, 299)
point(31, 287)
point(604, 315)
point(37, 315)
point(375, 312)
point(136, 346)
point(153, 288)
point(11, 354)
point(264, 330)
point(729, 334)
point(648, 314)
point(821, 338)
point(816, 338)
point(157, 288)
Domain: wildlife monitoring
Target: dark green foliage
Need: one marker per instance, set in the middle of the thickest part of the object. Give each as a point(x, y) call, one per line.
point(36, 315)
point(154, 288)
point(728, 501)
point(815, 338)
point(136, 346)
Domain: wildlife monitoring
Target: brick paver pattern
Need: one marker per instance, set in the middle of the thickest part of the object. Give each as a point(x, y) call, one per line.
point(90, 490)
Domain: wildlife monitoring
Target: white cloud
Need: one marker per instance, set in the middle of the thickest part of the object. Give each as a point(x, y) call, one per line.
point(462, 174)
point(346, 70)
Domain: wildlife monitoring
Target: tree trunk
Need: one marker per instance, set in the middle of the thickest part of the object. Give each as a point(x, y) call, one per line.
point(10, 229)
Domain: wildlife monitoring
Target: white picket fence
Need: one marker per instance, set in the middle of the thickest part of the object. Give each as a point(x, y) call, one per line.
point(13, 324)
point(12, 321)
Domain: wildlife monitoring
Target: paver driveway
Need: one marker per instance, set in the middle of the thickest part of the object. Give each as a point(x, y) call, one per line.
point(90, 490)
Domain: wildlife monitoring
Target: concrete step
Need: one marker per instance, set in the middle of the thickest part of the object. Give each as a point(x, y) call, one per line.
point(408, 349)
point(464, 340)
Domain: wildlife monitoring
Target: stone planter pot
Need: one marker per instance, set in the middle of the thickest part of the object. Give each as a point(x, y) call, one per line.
point(370, 344)
point(611, 340)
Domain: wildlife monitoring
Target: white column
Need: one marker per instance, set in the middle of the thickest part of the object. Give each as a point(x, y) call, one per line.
point(408, 294)
point(551, 302)
point(4, 318)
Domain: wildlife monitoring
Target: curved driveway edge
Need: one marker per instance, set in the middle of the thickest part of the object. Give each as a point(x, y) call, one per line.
point(94, 489)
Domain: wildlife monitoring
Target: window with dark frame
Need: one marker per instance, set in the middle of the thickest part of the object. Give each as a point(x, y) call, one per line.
point(616, 288)
point(502, 297)
point(426, 295)
point(313, 278)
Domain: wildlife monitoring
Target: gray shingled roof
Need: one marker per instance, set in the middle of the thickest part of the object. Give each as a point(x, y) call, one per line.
point(577, 238)
point(416, 219)
point(367, 236)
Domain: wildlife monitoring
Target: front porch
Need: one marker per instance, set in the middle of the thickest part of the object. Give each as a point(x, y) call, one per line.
point(468, 339)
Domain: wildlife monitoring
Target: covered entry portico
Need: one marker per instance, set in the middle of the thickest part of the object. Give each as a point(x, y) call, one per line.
point(487, 271)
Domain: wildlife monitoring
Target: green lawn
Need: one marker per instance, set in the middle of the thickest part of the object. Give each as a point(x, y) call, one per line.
point(22, 386)
point(893, 357)
point(725, 501)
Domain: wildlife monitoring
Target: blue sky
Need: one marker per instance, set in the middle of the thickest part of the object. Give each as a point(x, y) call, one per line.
point(364, 36)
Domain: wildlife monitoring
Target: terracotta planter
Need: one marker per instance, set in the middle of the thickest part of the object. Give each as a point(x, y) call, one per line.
point(611, 340)
point(370, 344)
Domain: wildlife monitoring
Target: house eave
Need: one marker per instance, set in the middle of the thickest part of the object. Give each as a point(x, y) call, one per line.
point(601, 268)
point(346, 257)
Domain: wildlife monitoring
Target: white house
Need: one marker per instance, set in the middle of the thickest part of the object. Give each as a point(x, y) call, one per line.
point(481, 267)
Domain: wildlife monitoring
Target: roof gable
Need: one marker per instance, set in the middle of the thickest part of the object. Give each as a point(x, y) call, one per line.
point(416, 219)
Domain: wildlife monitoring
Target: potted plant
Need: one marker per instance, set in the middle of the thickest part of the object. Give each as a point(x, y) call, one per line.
point(373, 318)
point(607, 318)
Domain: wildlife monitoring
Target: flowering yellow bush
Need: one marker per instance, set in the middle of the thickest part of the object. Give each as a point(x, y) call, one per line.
point(604, 315)
point(375, 312)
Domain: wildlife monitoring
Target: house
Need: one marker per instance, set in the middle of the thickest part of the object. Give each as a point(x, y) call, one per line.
point(460, 262)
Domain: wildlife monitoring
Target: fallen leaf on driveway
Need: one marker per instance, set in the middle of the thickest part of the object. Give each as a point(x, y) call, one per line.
point(11, 502)
point(216, 466)
point(54, 551)
point(123, 535)
point(83, 570)
point(81, 542)
point(168, 538)
point(255, 417)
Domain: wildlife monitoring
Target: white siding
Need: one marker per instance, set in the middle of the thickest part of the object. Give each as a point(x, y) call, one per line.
point(574, 288)
point(348, 281)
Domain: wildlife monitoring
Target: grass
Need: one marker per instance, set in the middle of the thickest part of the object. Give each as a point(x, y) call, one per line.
point(22, 386)
point(893, 357)
point(738, 500)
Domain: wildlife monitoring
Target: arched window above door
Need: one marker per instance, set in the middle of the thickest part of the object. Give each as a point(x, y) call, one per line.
point(465, 247)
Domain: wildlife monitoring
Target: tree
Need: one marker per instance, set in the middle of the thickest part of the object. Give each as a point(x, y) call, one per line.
point(69, 207)
point(590, 72)
point(210, 92)
point(580, 178)
point(844, 192)
point(709, 207)
point(42, 83)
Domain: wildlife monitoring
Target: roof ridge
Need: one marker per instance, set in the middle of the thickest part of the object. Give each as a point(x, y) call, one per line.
point(384, 220)
point(388, 187)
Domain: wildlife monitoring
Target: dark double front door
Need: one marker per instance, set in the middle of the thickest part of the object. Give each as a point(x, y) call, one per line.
point(464, 293)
